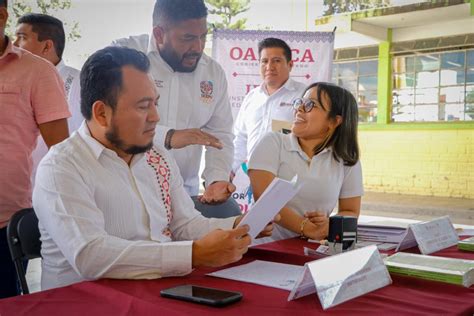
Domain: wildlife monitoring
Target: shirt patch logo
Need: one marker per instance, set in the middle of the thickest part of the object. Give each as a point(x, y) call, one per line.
point(207, 89)
point(286, 104)
point(68, 83)
point(159, 83)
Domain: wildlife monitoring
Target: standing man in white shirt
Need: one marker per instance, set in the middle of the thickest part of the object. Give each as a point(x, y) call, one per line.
point(112, 205)
point(43, 35)
point(194, 105)
point(272, 100)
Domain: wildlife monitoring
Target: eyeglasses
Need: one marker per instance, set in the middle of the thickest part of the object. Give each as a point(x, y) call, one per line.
point(307, 104)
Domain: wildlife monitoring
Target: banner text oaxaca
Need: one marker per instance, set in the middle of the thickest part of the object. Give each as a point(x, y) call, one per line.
point(237, 52)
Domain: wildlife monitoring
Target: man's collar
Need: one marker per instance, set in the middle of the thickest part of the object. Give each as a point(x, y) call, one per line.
point(288, 85)
point(60, 65)
point(11, 49)
point(95, 146)
point(152, 46)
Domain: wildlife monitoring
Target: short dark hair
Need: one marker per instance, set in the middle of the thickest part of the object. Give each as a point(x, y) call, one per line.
point(101, 76)
point(4, 3)
point(344, 139)
point(275, 42)
point(168, 12)
point(48, 28)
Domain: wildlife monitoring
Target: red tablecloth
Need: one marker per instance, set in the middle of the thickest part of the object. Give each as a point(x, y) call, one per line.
point(406, 296)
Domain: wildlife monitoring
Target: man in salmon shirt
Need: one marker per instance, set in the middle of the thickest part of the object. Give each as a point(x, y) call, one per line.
point(32, 102)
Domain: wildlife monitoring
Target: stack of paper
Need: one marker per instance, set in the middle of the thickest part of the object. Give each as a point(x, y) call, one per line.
point(466, 244)
point(449, 270)
point(382, 231)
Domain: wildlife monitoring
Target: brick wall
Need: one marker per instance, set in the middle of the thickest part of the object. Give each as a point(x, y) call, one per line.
point(422, 162)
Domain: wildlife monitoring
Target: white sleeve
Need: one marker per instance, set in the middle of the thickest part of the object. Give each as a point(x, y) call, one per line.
point(352, 185)
point(266, 154)
point(74, 100)
point(240, 140)
point(219, 161)
point(65, 205)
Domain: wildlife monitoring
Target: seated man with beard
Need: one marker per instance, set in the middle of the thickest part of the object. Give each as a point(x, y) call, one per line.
point(112, 206)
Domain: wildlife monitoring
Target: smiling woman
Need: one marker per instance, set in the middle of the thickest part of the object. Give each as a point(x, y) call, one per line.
point(323, 151)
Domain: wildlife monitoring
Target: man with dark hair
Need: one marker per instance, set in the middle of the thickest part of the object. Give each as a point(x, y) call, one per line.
point(43, 35)
point(272, 100)
point(32, 101)
point(194, 104)
point(112, 205)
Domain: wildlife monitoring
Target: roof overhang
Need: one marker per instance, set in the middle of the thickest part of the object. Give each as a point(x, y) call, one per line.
point(370, 27)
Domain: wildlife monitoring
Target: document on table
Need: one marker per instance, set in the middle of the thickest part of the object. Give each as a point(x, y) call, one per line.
point(272, 274)
point(272, 200)
point(387, 231)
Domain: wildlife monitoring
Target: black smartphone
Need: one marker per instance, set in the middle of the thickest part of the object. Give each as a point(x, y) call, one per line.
point(202, 295)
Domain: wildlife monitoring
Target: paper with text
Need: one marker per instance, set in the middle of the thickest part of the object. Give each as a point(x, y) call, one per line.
point(434, 235)
point(348, 275)
point(304, 286)
point(272, 274)
point(272, 200)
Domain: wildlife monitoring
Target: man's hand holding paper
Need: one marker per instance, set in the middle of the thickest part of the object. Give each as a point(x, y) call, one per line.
point(267, 230)
point(272, 200)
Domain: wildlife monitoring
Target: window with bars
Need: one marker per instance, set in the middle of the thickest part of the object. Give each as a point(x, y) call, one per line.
point(433, 87)
point(360, 78)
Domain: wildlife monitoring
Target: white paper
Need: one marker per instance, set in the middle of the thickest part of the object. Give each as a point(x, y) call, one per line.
point(348, 275)
point(272, 200)
point(272, 274)
point(434, 235)
point(408, 241)
point(304, 286)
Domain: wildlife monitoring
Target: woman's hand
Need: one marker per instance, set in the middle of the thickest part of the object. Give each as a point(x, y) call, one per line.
point(318, 226)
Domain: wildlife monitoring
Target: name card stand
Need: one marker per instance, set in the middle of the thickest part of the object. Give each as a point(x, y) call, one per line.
point(342, 277)
point(430, 236)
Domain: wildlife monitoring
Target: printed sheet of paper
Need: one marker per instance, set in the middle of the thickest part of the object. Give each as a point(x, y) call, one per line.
point(435, 235)
point(304, 286)
point(266, 273)
point(408, 241)
point(277, 194)
point(348, 275)
point(431, 236)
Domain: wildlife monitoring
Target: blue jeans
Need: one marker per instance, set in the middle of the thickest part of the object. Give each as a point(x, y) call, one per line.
point(226, 209)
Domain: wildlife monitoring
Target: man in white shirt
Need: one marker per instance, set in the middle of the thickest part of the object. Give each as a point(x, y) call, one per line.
point(194, 104)
point(43, 35)
point(112, 206)
point(272, 100)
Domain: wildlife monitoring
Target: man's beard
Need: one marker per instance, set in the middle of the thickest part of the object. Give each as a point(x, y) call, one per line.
point(176, 62)
point(113, 137)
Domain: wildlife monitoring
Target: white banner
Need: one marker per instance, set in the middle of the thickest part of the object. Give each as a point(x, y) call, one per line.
point(237, 52)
